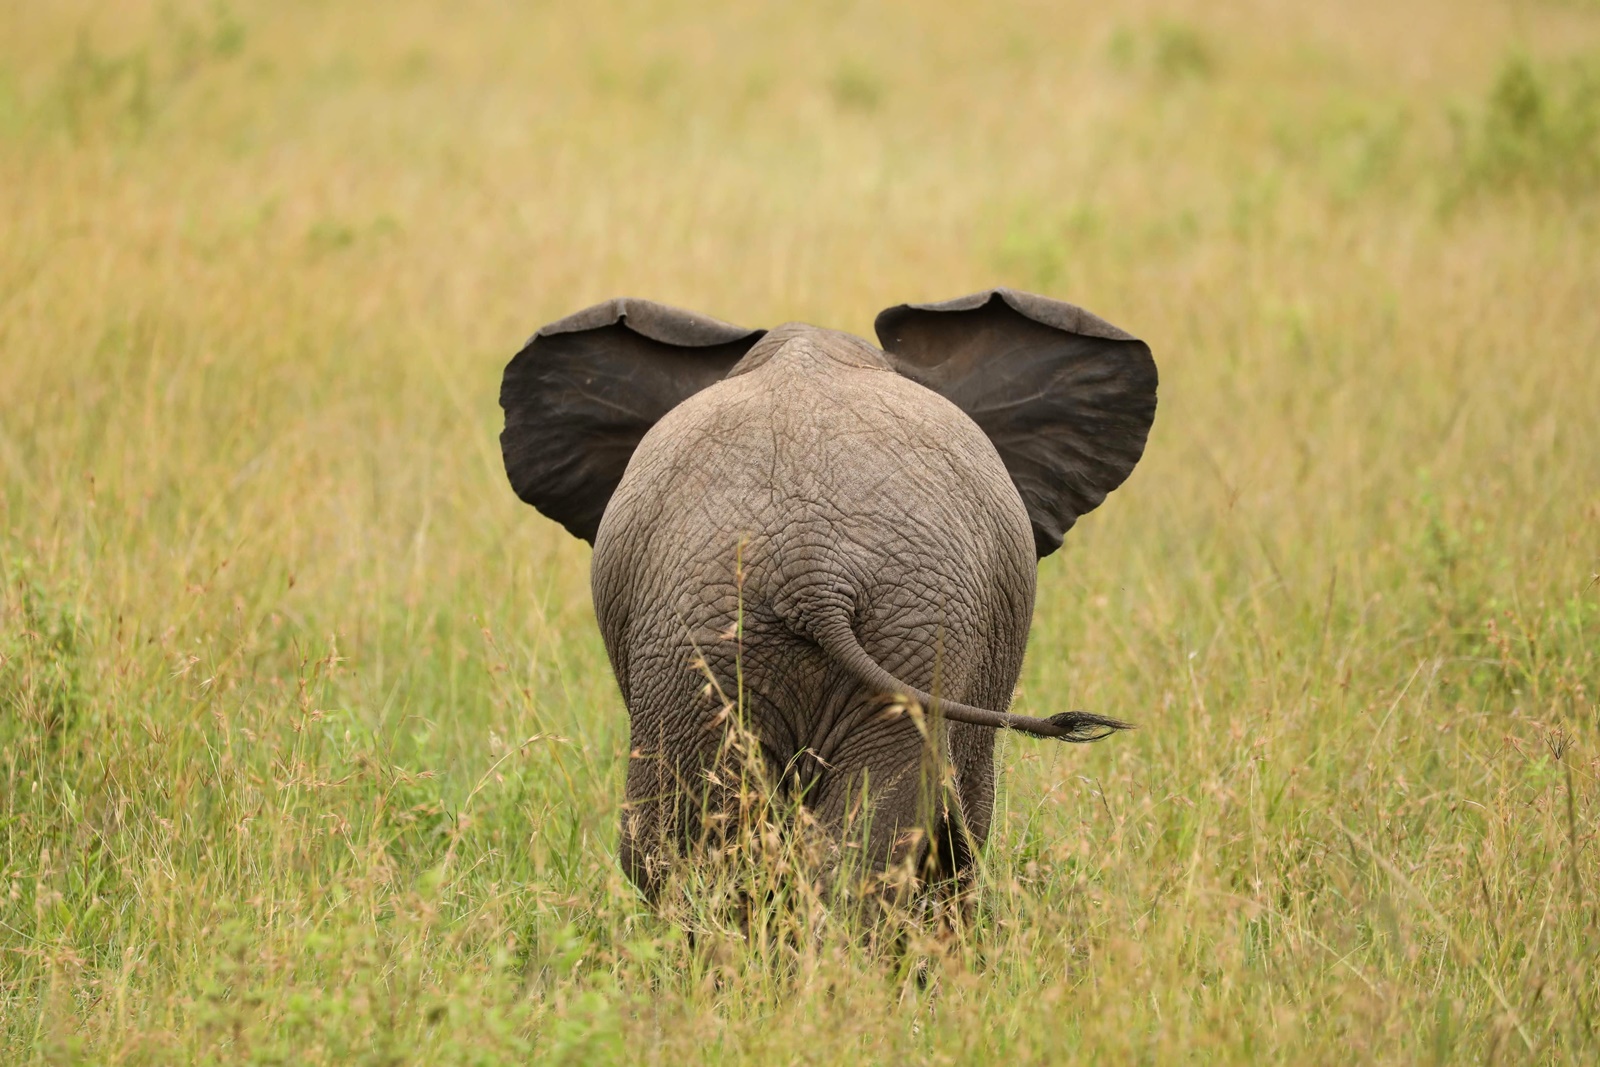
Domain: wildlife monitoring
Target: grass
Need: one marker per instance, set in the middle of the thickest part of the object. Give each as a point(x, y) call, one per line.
point(308, 747)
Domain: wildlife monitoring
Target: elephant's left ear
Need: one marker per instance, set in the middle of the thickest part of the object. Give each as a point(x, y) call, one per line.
point(1066, 397)
point(584, 390)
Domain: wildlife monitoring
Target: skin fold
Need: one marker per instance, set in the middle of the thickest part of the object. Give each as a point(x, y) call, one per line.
point(817, 534)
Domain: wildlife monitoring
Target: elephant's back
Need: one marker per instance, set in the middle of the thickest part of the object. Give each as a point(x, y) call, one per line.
point(807, 485)
point(860, 453)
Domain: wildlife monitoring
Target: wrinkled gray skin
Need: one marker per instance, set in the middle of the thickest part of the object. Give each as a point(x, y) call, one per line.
point(886, 548)
point(868, 502)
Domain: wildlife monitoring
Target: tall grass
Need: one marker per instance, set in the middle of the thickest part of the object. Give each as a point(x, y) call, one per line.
point(309, 748)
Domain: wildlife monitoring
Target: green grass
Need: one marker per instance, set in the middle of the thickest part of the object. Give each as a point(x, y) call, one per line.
point(309, 748)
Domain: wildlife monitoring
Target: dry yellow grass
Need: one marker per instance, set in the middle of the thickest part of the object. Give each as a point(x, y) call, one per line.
point(271, 613)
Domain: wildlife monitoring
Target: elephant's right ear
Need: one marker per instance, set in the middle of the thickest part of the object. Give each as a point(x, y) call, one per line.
point(1066, 397)
point(583, 392)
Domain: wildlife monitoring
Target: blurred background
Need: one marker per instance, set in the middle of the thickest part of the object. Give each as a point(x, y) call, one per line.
point(275, 628)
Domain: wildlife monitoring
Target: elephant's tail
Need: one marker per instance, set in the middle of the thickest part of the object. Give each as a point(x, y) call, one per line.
point(839, 641)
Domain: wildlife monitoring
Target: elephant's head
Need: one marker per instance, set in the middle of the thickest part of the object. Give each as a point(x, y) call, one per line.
point(1066, 397)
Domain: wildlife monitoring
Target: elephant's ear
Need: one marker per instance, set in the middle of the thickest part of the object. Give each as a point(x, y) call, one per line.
point(583, 391)
point(1066, 397)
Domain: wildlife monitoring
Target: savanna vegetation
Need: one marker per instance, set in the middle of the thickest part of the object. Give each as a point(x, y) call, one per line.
point(309, 751)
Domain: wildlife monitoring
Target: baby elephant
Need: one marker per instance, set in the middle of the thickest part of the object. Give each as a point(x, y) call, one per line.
point(840, 534)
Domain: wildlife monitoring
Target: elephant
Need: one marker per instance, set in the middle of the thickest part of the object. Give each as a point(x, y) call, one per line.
point(851, 531)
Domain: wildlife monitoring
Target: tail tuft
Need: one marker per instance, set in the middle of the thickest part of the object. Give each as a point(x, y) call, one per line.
point(1080, 727)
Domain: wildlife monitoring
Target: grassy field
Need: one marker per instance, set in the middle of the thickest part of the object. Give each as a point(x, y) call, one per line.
point(308, 747)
